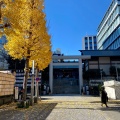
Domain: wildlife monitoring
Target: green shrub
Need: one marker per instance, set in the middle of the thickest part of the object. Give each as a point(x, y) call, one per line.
point(100, 87)
point(23, 104)
point(20, 104)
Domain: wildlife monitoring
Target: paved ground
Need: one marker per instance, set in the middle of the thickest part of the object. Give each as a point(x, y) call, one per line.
point(61, 107)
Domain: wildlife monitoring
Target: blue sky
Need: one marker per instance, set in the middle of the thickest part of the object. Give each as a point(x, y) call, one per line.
point(70, 20)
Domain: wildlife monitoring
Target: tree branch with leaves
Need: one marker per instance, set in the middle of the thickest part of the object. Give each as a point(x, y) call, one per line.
point(27, 35)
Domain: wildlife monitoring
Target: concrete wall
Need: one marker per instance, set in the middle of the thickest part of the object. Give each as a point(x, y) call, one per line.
point(93, 64)
point(6, 99)
point(104, 63)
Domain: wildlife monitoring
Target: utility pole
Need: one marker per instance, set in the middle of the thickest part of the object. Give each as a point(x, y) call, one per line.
point(32, 83)
point(38, 79)
point(36, 86)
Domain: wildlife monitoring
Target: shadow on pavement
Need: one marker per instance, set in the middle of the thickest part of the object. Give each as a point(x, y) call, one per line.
point(115, 108)
point(39, 111)
point(109, 102)
point(114, 105)
point(95, 102)
point(46, 98)
point(75, 108)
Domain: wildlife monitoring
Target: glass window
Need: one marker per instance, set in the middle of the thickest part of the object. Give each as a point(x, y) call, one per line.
point(86, 48)
point(90, 38)
point(90, 44)
point(86, 43)
point(94, 38)
point(90, 48)
point(95, 47)
point(86, 40)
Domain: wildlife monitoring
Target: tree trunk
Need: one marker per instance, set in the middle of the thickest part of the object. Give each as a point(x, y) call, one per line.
point(25, 78)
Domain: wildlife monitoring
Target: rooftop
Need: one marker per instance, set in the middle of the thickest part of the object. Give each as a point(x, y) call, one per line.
point(102, 53)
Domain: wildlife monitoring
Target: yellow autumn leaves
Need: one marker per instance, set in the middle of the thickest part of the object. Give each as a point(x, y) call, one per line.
point(27, 31)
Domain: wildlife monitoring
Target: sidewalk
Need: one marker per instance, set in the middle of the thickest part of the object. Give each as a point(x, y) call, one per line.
point(61, 107)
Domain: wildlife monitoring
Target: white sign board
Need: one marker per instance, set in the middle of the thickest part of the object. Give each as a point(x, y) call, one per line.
point(16, 93)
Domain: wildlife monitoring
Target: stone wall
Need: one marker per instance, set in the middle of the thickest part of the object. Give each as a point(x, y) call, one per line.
point(7, 81)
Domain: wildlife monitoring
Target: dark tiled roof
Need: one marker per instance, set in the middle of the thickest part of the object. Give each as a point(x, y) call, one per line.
point(100, 52)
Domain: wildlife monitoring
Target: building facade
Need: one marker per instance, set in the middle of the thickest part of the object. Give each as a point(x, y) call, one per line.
point(103, 60)
point(65, 77)
point(108, 34)
point(89, 43)
point(19, 76)
point(66, 73)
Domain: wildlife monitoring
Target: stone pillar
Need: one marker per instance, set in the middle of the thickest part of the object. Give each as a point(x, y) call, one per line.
point(80, 75)
point(51, 76)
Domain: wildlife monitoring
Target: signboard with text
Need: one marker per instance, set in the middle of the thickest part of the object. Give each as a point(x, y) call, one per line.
point(16, 93)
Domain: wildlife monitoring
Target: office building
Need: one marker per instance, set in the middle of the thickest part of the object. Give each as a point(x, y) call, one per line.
point(108, 36)
point(89, 43)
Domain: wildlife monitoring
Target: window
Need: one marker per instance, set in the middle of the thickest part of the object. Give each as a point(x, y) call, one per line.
point(86, 40)
point(90, 48)
point(86, 44)
point(95, 47)
point(86, 48)
point(90, 44)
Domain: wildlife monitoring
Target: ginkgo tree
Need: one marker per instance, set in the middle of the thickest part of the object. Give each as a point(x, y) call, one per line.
point(40, 58)
point(27, 33)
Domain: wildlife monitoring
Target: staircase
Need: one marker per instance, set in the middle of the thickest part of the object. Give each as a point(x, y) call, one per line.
point(65, 86)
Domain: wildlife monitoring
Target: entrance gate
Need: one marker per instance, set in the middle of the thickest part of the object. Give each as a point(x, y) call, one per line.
point(66, 61)
point(65, 81)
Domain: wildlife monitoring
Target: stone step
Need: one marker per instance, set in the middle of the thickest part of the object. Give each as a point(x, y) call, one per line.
point(66, 89)
point(62, 86)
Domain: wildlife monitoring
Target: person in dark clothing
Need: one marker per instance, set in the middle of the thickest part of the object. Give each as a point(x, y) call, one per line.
point(104, 98)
